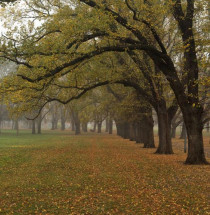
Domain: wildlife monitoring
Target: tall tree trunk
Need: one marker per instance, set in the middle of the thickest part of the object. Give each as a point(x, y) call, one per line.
point(164, 130)
point(173, 132)
point(183, 132)
point(63, 119)
point(107, 125)
point(119, 128)
point(207, 126)
point(148, 131)
point(77, 128)
point(175, 122)
point(72, 125)
point(110, 126)
point(84, 127)
point(54, 123)
point(125, 130)
point(194, 127)
point(33, 127)
point(17, 126)
point(132, 133)
point(99, 124)
point(94, 126)
point(76, 119)
point(63, 125)
point(189, 103)
point(139, 132)
point(39, 124)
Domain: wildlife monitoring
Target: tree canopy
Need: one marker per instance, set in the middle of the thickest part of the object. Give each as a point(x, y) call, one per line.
point(65, 49)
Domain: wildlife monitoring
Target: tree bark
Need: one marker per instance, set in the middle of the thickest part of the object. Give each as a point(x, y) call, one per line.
point(194, 127)
point(132, 135)
point(148, 132)
point(173, 132)
point(189, 103)
point(63, 119)
point(207, 126)
point(175, 122)
point(94, 126)
point(77, 128)
point(84, 127)
point(125, 130)
point(63, 125)
point(33, 127)
point(17, 126)
point(99, 124)
point(54, 123)
point(76, 119)
point(39, 124)
point(183, 132)
point(107, 125)
point(164, 130)
point(119, 128)
point(110, 128)
point(139, 132)
point(72, 125)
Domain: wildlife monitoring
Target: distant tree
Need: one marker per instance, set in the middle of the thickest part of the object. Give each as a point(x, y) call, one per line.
point(114, 26)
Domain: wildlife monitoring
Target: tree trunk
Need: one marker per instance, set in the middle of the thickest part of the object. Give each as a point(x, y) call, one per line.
point(164, 130)
point(190, 105)
point(53, 126)
point(84, 127)
point(63, 125)
point(17, 126)
point(183, 132)
point(175, 122)
point(99, 124)
point(148, 132)
point(125, 130)
point(72, 125)
point(77, 122)
point(194, 127)
point(54, 123)
point(77, 128)
point(110, 126)
point(119, 128)
point(207, 126)
point(107, 125)
point(139, 132)
point(39, 124)
point(173, 132)
point(132, 133)
point(33, 127)
point(94, 126)
point(63, 119)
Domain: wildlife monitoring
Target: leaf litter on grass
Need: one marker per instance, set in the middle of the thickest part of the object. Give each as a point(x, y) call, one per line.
point(101, 174)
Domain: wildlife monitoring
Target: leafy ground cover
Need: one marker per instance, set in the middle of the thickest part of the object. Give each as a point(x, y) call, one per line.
point(59, 173)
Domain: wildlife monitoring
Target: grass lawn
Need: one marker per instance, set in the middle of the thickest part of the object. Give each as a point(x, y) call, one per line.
point(59, 173)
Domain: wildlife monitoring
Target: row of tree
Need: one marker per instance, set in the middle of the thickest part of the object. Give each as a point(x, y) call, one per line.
point(156, 49)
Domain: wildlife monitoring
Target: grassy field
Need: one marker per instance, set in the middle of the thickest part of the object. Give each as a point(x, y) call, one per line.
point(59, 173)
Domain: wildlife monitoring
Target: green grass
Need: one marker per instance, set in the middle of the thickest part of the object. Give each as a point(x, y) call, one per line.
point(59, 173)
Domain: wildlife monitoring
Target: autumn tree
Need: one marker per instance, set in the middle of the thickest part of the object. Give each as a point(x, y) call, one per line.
point(71, 37)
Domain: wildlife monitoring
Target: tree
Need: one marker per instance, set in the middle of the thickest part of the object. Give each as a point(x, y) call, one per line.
point(132, 116)
point(124, 28)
